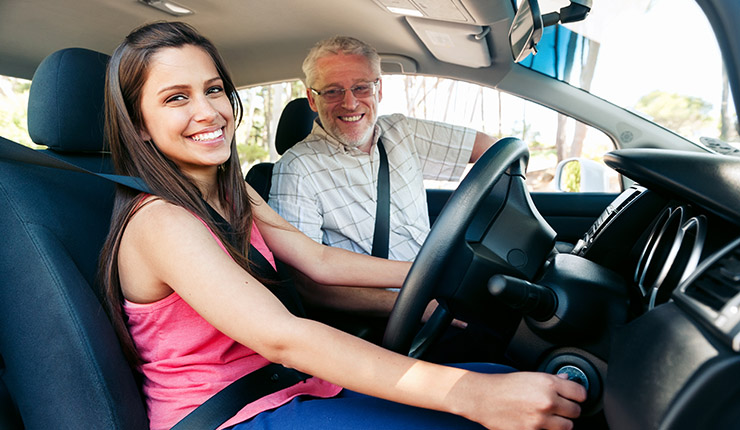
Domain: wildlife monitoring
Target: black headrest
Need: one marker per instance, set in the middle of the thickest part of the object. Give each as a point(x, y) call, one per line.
point(65, 103)
point(295, 124)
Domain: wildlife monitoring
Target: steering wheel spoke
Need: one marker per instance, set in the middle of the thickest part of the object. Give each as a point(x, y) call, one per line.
point(431, 331)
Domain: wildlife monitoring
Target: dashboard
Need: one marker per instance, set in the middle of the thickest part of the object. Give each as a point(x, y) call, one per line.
point(654, 241)
point(649, 298)
point(674, 237)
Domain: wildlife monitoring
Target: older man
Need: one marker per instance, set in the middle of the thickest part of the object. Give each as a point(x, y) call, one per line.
point(326, 185)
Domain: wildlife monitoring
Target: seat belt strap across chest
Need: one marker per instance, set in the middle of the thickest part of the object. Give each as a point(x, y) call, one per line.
point(381, 236)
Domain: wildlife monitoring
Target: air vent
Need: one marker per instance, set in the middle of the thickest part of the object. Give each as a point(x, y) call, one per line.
point(719, 284)
point(713, 293)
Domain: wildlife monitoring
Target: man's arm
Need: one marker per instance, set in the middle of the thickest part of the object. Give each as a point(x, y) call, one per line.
point(444, 149)
point(370, 302)
point(364, 301)
point(481, 145)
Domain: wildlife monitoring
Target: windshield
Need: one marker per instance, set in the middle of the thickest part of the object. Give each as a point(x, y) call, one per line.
point(657, 58)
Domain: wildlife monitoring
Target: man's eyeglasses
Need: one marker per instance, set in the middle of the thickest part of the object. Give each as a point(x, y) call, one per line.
point(360, 91)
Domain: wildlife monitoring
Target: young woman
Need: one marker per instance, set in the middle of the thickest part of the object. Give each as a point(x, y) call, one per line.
point(196, 310)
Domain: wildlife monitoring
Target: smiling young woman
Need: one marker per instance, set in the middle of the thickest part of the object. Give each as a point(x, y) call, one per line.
point(186, 111)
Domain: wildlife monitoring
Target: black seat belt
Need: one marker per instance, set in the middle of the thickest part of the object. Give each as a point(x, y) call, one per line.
point(245, 390)
point(10, 150)
point(230, 400)
point(381, 235)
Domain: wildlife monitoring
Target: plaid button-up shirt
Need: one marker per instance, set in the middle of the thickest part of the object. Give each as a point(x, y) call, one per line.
point(329, 191)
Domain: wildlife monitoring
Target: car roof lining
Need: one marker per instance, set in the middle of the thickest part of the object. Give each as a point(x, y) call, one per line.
point(257, 50)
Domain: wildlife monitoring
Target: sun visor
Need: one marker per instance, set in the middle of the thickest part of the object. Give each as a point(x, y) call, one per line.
point(451, 42)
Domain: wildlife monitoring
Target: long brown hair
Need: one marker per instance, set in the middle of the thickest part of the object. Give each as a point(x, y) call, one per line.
point(132, 156)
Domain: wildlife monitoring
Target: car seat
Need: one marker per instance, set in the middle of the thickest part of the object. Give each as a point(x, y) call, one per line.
point(61, 365)
point(294, 125)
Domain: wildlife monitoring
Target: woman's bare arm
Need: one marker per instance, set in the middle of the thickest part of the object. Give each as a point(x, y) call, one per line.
point(165, 248)
point(323, 264)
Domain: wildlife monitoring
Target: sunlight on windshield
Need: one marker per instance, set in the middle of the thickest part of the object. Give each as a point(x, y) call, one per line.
point(658, 58)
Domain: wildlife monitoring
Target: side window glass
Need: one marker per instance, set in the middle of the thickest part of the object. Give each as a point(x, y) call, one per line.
point(13, 108)
point(263, 104)
point(565, 155)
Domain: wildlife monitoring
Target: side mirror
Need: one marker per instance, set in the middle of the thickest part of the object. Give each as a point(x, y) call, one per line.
point(526, 30)
point(576, 175)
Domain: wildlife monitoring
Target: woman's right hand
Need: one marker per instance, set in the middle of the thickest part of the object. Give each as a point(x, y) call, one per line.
point(520, 400)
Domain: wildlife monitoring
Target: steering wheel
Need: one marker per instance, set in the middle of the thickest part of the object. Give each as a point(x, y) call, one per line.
point(471, 240)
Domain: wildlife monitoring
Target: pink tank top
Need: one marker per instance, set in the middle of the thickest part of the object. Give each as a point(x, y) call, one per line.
point(186, 360)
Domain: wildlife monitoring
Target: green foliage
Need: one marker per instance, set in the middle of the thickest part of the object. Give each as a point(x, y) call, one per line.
point(257, 135)
point(262, 106)
point(570, 180)
point(297, 89)
point(20, 86)
point(540, 149)
point(13, 102)
point(683, 114)
point(250, 153)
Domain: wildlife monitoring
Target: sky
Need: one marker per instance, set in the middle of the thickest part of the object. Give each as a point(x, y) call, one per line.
point(669, 48)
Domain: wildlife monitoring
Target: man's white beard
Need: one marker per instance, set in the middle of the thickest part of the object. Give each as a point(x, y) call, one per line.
point(345, 140)
point(354, 143)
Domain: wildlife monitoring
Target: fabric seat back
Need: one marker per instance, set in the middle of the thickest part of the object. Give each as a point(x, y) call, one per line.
point(62, 365)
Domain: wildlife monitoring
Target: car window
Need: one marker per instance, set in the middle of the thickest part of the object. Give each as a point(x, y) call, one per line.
point(674, 77)
point(263, 104)
point(552, 138)
point(13, 105)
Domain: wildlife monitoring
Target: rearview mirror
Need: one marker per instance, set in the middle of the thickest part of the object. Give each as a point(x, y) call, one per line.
point(526, 30)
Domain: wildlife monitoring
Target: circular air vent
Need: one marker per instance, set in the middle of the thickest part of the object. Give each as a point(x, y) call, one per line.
point(671, 253)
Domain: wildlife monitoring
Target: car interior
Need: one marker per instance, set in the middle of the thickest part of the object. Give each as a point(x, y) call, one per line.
point(635, 295)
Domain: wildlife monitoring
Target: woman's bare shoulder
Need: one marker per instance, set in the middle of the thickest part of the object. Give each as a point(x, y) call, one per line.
point(159, 225)
point(155, 212)
point(157, 248)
